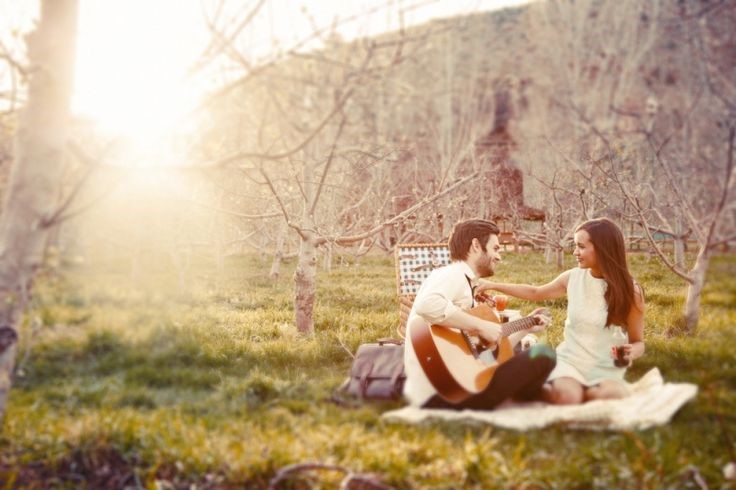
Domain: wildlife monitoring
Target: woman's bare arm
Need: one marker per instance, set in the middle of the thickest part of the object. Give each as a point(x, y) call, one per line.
point(635, 325)
point(551, 290)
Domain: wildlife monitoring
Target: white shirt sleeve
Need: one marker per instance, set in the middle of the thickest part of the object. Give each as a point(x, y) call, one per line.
point(440, 293)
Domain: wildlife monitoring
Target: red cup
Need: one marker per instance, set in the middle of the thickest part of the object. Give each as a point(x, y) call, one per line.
point(501, 300)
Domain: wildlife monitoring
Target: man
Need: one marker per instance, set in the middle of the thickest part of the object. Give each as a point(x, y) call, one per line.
point(442, 300)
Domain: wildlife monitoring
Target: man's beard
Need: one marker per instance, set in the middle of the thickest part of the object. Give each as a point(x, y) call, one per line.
point(485, 269)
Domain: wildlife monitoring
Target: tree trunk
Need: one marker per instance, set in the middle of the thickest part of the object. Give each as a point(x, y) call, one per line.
point(220, 245)
point(305, 279)
point(328, 258)
point(560, 254)
point(482, 198)
point(37, 171)
point(440, 225)
point(679, 249)
point(181, 259)
point(695, 290)
point(220, 251)
point(550, 238)
point(278, 257)
point(679, 246)
point(548, 254)
point(263, 255)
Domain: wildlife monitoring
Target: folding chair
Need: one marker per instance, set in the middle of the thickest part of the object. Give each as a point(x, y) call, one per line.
point(414, 262)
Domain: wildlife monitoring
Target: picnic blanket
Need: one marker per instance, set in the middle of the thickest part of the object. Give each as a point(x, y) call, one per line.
point(652, 402)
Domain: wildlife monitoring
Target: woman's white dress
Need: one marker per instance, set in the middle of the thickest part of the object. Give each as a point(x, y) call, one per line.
point(585, 352)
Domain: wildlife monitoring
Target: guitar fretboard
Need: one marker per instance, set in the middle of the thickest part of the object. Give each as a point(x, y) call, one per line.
point(517, 326)
point(506, 330)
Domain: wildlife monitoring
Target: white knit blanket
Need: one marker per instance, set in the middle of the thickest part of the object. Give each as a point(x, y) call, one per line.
point(652, 402)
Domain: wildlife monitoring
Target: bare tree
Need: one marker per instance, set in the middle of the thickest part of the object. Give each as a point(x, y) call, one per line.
point(300, 133)
point(37, 170)
point(658, 137)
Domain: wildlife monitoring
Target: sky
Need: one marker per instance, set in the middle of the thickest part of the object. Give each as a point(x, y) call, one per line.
point(134, 57)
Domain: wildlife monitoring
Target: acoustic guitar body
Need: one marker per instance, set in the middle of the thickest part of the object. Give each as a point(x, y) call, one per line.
point(448, 360)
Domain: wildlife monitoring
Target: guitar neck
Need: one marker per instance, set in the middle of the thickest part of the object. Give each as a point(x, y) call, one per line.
point(517, 326)
point(486, 313)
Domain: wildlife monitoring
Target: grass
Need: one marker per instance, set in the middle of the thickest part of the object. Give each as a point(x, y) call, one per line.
point(138, 384)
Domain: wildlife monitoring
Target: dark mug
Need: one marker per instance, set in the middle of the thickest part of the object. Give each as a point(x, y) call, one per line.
point(619, 361)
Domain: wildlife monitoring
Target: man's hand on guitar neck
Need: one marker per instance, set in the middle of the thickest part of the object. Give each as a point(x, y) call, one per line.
point(543, 319)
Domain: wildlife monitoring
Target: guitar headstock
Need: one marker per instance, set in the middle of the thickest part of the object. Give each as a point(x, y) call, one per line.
point(484, 299)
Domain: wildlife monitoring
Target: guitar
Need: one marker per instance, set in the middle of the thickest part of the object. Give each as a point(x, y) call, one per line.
point(450, 359)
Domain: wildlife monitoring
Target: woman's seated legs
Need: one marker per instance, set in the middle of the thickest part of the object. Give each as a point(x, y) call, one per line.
point(563, 391)
point(606, 390)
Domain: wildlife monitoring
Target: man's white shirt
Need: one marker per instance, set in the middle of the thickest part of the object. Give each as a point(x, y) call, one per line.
point(445, 291)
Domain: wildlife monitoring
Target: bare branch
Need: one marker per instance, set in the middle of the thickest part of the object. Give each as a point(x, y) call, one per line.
point(728, 185)
point(297, 181)
point(221, 42)
point(294, 50)
point(348, 240)
point(722, 241)
point(235, 213)
point(58, 215)
point(366, 194)
point(12, 61)
point(707, 10)
point(648, 228)
point(328, 164)
point(241, 155)
point(281, 204)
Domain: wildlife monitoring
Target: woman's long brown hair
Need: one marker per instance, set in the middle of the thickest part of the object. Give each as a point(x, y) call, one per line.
point(610, 253)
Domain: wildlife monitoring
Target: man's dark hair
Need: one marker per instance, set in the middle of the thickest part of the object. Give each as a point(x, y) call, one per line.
point(463, 234)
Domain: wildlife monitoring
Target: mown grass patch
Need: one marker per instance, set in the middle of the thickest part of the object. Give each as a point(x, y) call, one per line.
point(135, 383)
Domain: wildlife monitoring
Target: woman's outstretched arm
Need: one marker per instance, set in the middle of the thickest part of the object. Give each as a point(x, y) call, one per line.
point(551, 290)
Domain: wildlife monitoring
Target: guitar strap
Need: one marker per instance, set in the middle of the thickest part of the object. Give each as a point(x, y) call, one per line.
point(473, 347)
point(472, 291)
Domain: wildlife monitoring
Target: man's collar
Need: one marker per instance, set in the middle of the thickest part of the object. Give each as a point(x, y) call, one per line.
point(466, 269)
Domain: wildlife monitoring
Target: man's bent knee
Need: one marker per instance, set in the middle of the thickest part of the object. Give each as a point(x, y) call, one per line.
point(544, 356)
point(542, 351)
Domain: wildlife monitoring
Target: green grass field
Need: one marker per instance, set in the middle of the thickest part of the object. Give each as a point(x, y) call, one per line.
point(140, 385)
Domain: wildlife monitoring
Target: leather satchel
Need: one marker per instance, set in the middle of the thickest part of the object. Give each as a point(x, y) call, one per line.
point(377, 372)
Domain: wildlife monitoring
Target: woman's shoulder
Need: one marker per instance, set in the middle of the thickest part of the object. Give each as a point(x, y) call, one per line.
point(575, 272)
point(565, 277)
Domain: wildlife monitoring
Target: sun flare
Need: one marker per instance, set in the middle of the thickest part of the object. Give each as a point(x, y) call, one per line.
point(132, 63)
point(133, 78)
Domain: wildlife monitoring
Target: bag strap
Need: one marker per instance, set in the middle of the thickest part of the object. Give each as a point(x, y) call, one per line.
point(364, 380)
point(338, 396)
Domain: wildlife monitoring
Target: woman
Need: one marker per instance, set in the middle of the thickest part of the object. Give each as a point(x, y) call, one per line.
point(601, 295)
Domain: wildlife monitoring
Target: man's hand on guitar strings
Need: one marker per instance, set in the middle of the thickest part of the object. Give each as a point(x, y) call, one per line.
point(490, 334)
